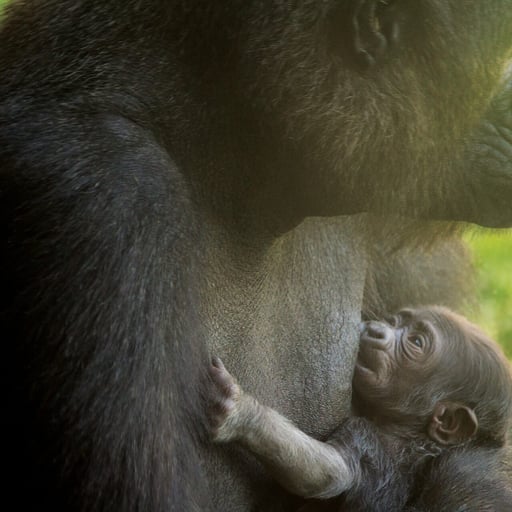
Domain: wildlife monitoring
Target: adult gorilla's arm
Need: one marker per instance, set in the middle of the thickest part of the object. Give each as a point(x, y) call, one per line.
point(103, 262)
point(489, 157)
point(404, 134)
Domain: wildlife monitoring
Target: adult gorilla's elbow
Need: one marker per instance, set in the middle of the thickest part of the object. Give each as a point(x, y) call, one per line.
point(487, 198)
point(389, 102)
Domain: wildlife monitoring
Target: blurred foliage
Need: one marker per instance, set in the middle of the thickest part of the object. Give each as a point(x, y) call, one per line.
point(493, 260)
point(2, 4)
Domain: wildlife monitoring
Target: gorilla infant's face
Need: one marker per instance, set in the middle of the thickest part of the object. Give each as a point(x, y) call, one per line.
point(432, 369)
point(421, 356)
point(393, 351)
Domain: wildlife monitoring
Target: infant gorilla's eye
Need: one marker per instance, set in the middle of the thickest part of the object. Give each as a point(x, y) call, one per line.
point(417, 340)
point(393, 321)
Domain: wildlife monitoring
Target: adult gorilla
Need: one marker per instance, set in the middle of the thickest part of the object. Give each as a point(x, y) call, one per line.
point(163, 168)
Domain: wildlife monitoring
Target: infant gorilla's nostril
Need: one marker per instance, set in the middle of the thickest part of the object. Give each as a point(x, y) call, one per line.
point(377, 332)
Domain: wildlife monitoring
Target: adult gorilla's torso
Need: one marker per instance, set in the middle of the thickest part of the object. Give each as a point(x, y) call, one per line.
point(283, 313)
point(284, 318)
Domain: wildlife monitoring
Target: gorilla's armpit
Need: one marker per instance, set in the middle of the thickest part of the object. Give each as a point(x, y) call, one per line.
point(177, 179)
point(434, 396)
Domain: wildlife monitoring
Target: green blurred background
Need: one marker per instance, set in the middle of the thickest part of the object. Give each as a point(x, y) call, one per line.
point(493, 260)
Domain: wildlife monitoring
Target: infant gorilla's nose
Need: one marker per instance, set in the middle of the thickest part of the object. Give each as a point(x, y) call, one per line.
point(378, 334)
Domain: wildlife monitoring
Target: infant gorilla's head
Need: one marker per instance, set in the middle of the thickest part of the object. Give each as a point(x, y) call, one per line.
point(431, 372)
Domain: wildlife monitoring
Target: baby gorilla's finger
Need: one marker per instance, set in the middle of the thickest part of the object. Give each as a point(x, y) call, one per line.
point(225, 393)
point(217, 363)
point(222, 379)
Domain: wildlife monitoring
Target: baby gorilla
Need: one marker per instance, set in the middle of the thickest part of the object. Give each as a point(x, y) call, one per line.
point(433, 397)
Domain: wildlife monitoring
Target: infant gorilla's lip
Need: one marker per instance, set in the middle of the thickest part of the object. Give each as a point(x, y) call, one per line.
point(360, 369)
point(366, 360)
point(369, 357)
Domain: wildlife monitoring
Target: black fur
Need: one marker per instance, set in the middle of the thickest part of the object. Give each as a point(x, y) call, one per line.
point(419, 477)
point(152, 150)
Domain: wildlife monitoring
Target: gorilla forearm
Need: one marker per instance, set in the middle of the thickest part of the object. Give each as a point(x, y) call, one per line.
point(301, 464)
point(109, 261)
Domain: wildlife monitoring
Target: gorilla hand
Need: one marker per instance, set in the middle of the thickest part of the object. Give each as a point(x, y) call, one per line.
point(224, 411)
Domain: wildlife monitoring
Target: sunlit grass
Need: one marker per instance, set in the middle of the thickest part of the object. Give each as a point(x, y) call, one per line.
point(3, 3)
point(493, 260)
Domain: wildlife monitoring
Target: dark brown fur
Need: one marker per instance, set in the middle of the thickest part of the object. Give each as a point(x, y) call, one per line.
point(163, 167)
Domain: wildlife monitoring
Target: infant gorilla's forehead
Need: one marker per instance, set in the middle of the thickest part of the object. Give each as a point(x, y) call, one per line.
point(441, 317)
point(466, 346)
point(464, 366)
point(461, 349)
point(452, 328)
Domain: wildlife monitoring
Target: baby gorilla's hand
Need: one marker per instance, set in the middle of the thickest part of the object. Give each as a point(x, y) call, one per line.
point(223, 412)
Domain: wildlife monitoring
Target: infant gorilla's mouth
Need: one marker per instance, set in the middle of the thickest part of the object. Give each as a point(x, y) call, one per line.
point(369, 358)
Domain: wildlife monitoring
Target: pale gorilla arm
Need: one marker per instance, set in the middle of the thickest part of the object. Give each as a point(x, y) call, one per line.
point(304, 466)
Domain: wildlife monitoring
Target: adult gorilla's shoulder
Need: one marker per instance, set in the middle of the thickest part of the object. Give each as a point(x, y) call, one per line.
point(178, 177)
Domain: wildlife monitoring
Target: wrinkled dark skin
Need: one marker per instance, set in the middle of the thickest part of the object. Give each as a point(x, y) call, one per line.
point(183, 177)
point(434, 399)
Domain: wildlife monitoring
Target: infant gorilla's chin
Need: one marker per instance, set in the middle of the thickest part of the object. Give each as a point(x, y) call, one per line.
point(369, 359)
point(366, 370)
point(372, 360)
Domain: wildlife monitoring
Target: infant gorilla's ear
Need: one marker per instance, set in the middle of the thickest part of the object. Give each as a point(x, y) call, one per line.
point(452, 423)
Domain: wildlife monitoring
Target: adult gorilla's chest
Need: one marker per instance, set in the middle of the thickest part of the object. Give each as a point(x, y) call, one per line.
point(284, 320)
